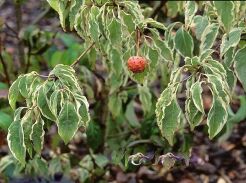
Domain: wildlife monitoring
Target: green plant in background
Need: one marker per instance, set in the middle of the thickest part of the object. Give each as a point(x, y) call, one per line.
point(203, 54)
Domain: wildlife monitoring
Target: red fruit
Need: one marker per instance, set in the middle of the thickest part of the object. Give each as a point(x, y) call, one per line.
point(137, 64)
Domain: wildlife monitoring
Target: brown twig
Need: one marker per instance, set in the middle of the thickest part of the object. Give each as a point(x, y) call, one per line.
point(137, 40)
point(10, 28)
point(82, 54)
point(157, 9)
point(41, 15)
point(5, 69)
point(18, 15)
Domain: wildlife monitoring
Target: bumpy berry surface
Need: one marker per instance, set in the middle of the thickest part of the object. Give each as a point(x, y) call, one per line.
point(137, 64)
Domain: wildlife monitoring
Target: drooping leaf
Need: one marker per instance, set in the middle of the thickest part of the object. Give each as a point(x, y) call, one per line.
point(240, 65)
point(14, 92)
point(201, 22)
point(171, 120)
point(43, 104)
point(83, 109)
point(225, 10)
point(184, 43)
point(193, 115)
point(37, 135)
point(68, 119)
point(228, 57)
point(168, 113)
point(128, 21)
point(16, 141)
point(208, 37)
point(161, 46)
point(27, 123)
point(196, 93)
point(230, 40)
point(217, 116)
point(115, 32)
point(74, 9)
point(93, 23)
point(190, 10)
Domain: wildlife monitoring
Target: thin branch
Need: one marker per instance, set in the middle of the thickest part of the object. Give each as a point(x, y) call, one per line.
point(82, 54)
point(10, 28)
point(18, 15)
point(5, 70)
point(41, 15)
point(142, 141)
point(137, 40)
point(157, 9)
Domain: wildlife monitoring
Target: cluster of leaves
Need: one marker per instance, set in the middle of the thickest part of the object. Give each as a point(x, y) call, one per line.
point(205, 69)
point(188, 52)
point(58, 99)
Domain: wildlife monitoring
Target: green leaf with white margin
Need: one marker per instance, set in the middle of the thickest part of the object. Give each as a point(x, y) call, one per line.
point(128, 21)
point(153, 56)
point(184, 43)
point(171, 120)
point(134, 9)
point(231, 40)
point(25, 84)
point(240, 65)
point(219, 87)
point(200, 23)
point(83, 109)
point(145, 98)
point(153, 23)
point(43, 104)
point(193, 115)
point(93, 23)
point(74, 9)
point(54, 4)
point(161, 45)
point(66, 74)
point(217, 116)
point(225, 10)
point(116, 61)
point(196, 94)
point(230, 77)
point(61, 8)
point(228, 57)
point(14, 92)
point(208, 37)
point(68, 122)
point(207, 54)
point(164, 100)
point(16, 141)
point(190, 11)
point(27, 123)
point(115, 32)
point(168, 112)
point(37, 134)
